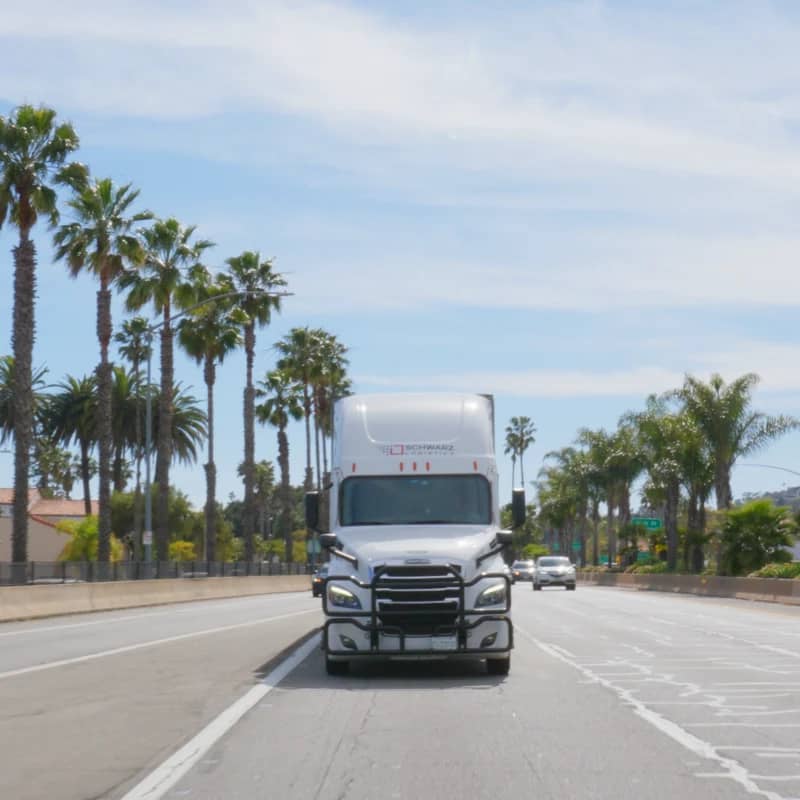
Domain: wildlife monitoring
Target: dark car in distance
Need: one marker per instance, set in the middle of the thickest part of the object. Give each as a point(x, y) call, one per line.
point(318, 580)
point(522, 571)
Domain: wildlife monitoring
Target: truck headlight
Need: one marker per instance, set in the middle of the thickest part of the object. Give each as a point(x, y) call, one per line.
point(493, 596)
point(337, 596)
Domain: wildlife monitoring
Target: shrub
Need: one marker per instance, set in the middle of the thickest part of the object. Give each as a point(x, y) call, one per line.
point(755, 534)
point(181, 550)
point(83, 542)
point(791, 570)
point(653, 568)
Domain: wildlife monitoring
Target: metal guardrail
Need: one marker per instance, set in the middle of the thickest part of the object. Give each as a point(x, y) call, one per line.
point(50, 572)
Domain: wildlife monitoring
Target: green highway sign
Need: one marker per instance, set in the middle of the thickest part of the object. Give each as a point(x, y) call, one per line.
point(576, 545)
point(651, 523)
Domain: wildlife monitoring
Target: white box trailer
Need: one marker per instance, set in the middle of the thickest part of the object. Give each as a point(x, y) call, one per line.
point(416, 551)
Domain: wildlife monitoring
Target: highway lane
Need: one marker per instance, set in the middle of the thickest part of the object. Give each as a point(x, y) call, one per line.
point(89, 702)
point(612, 693)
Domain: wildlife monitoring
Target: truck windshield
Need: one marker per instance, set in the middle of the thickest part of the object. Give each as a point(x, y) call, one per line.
point(412, 500)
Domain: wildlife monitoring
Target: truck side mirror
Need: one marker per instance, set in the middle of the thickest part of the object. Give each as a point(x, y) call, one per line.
point(312, 510)
point(327, 540)
point(518, 510)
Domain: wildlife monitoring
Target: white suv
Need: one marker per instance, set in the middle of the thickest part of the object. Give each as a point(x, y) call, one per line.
point(554, 571)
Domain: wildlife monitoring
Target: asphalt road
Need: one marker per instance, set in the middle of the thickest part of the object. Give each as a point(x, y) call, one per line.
point(612, 694)
point(89, 702)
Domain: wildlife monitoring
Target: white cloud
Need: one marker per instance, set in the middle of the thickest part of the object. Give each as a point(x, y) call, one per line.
point(594, 272)
point(574, 81)
point(775, 363)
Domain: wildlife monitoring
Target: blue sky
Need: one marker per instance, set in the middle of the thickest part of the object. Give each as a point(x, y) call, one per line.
point(567, 204)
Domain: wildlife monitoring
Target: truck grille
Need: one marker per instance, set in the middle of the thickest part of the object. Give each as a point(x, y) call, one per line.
point(418, 599)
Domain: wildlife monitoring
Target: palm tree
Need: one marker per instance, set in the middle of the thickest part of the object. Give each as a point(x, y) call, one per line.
point(724, 414)
point(511, 449)
point(124, 418)
point(33, 152)
point(283, 402)
point(598, 444)
point(254, 277)
point(101, 240)
point(7, 396)
point(329, 382)
point(134, 345)
point(70, 416)
point(661, 434)
point(298, 358)
point(521, 430)
point(163, 281)
point(625, 463)
point(208, 335)
point(189, 424)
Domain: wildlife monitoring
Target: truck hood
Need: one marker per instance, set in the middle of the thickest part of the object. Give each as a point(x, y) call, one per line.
point(395, 544)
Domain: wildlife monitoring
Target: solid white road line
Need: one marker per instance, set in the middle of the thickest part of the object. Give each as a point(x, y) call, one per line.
point(152, 643)
point(165, 776)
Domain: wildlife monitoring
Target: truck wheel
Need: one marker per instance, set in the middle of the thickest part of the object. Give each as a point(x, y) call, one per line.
point(571, 588)
point(498, 666)
point(336, 667)
point(537, 587)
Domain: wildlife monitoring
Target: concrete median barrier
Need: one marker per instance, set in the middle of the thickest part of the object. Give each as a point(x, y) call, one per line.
point(32, 602)
point(768, 590)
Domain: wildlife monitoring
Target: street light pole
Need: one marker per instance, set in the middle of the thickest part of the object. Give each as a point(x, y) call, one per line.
point(147, 536)
point(148, 502)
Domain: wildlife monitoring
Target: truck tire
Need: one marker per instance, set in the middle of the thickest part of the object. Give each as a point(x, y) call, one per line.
point(571, 588)
point(498, 666)
point(333, 667)
point(537, 587)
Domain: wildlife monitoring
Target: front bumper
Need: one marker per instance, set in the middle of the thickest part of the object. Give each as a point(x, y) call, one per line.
point(545, 579)
point(365, 634)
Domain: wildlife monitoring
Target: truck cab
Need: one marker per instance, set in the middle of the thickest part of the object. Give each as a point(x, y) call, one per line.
point(416, 551)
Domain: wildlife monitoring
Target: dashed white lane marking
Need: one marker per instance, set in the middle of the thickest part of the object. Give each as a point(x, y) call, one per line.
point(109, 621)
point(63, 662)
point(173, 610)
point(165, 776)
point(732, 769)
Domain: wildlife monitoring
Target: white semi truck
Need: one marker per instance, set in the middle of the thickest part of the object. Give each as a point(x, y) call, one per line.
point(416, 551)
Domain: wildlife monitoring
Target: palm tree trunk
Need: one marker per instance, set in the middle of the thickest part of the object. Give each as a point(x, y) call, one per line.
point(324, 456)
point(104, 433)
point(671, 523)
point(137, 494)
point(286, 494)
point(164, 445)
point(249, 510)
point(596, 532)
point(118, 478)
point(210, 467)
point(316, 440)
point(611, 532)
point(308, 484)
point(513, 470)
point(85, 477)
point(24, 330)
point(722, 486)
point(521, 470)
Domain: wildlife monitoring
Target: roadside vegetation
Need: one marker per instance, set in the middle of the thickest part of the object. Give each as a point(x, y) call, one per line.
point(71, 431)
point(678, 451)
